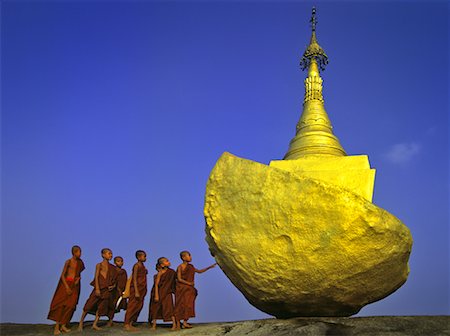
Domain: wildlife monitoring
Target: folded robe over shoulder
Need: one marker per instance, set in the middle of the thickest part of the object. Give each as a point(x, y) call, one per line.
point(102, 304)
point(135, 304)
point(185, 295)
point(63, 305)
point(163, 309)
point(151, 307)
point(117, 292)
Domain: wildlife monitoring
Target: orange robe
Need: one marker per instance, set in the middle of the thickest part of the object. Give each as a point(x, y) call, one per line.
point(163, 309)
point(117, 292)
point(135, 304)
point(63, 306)
point(102, 304)
point(185, 295)
point(151, 307)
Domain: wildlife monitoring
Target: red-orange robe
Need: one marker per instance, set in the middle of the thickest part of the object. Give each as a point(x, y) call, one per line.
point(102, 304)
point(135, 304)
point(63, 306)
point(185, 295)
point(152, 298)
point(117, 292)
point(163, 309)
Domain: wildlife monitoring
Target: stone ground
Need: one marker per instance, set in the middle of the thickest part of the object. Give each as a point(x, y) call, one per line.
point(353, 326)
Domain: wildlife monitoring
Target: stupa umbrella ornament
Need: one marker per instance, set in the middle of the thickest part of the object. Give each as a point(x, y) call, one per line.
point(314, 50)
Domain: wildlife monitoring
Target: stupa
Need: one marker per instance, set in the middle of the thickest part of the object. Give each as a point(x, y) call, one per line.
point(301, 236)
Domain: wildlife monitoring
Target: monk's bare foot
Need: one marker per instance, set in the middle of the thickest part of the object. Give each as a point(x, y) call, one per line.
point(80, 327)
point(187, 326)
point(56, 331)
point(175, 328)
point(65, 329)
point(129, 327)
point(96, 327)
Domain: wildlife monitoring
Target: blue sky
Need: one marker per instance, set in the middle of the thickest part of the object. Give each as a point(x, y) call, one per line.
point(114, 113)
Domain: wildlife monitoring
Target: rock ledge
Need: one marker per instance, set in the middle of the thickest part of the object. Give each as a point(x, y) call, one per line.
point(361, 326)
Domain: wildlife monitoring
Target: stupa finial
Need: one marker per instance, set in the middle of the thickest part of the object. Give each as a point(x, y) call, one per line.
point(313, 19)
point(314, 50)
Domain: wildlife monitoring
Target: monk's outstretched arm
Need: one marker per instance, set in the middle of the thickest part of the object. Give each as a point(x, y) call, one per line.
point(97, 286)
point(63, 277)
point(205, 269)
point(136, 293)
point(181, 280)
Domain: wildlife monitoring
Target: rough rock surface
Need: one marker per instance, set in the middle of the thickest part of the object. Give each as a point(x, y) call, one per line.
point(356, 326)
point(300, 247)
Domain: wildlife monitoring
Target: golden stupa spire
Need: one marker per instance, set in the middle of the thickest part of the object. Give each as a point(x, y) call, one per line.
point(314, 131)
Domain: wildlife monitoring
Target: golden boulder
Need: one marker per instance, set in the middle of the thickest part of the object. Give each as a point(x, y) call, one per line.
point(300, 246)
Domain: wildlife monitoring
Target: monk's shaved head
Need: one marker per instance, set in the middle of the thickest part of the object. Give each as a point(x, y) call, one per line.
point(104, 250)
point(139, 253)
point(75, 248)
point(118, 258)
point(161, 260)
point(183, 253)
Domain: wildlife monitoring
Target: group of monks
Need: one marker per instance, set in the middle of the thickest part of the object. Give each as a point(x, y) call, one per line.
point(114, 291)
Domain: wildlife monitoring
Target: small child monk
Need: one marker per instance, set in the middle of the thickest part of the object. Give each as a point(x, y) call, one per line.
point(100, 300)
point(151, 307)
point(67, 292)
point(118, 291)
point(138, 290)
point(185, 292)
point(161, 301)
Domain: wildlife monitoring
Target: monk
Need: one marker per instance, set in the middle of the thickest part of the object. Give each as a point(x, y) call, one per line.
point(118, 291)
point(138, 290)
point(100, 301)
point(67, 292)
point(185, 292)
point(161, 301)
point(152, 295)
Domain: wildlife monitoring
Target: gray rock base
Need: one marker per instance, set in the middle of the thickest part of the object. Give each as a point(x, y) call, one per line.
point(352, 326)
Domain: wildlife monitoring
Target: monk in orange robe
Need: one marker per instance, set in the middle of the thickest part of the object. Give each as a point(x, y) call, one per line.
point(67, 292)
point(100, 301)
point(161, 301)
point(152, 306)
point(138, 290)
point(185, 292)
point(120, 288)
